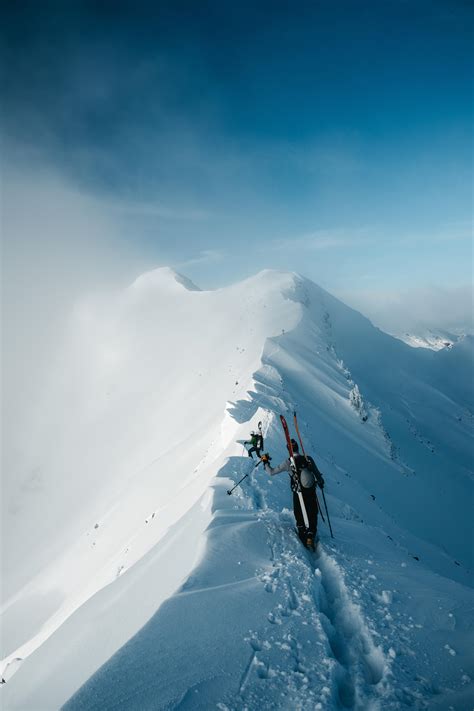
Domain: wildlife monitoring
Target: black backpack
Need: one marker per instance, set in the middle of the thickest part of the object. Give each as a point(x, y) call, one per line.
point(305, 473)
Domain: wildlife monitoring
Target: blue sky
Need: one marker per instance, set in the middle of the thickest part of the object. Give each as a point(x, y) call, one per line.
point(332, 138)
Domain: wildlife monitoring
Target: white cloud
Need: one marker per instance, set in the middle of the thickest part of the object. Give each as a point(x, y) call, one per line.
point(415, 310)
point(449, 232)
point(149, 209)
point(323, 239)
point(57, 245)
point(206, 256)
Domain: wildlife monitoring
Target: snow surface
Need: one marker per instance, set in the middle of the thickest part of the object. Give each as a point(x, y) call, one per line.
point(427, 338)
point(121, 493)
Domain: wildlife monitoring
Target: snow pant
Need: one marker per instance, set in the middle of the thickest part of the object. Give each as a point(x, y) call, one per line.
point(254, 449)
point(311, 506)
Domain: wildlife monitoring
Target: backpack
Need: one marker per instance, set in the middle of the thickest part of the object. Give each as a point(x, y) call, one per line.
point(305, 472)
point(257, 441)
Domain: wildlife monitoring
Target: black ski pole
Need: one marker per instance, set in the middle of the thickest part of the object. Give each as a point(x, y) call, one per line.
point(229, 491)
point(320, 509)
point(327, 513)
point(246, 475)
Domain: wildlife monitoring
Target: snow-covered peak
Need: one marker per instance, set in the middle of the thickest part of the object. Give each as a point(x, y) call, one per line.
point(162, 278)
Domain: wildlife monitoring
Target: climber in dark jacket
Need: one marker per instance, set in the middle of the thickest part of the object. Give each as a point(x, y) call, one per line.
point(303, 485)
point(256, 440)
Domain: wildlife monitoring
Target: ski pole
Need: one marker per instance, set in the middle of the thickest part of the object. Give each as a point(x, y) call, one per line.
point(320, 509)
point(327, 513)
point(246, 475)
point(234, 487)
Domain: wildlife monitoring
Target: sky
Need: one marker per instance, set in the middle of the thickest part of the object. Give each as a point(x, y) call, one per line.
point(332, 138)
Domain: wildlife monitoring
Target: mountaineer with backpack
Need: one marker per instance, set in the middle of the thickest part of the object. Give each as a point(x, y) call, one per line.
point(256, 440)
point(304, 477)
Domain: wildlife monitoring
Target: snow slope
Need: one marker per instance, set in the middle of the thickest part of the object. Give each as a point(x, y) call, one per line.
point(436, 340)
point(149, 396)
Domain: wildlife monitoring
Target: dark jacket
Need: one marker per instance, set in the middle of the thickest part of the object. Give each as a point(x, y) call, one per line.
point(301, 463)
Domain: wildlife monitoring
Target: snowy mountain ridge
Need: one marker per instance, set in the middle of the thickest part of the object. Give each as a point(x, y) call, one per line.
point(429, 338)
point(163, 379)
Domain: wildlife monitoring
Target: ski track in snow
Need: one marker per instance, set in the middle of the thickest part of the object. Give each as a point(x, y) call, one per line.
point(338, 666)
point(324, 649)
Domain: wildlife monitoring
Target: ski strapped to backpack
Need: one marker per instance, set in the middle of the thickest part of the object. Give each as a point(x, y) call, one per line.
point(298, 433)
point(256, 438)
point(294, 470)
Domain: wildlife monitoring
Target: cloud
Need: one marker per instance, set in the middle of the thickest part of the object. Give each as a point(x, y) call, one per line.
point(448, 232)
point(324, 239)
point(57, 245)
point(206, 256)
point(151, 209)
point(415, 310)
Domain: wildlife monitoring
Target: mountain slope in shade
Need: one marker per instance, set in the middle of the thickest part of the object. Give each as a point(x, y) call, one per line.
point(163, 380)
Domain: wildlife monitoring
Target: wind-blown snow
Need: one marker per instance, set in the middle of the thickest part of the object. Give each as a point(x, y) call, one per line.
point(106, 510)
point(436, 340)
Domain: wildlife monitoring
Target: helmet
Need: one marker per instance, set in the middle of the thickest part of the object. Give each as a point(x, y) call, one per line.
point(252, 432)
point(294, 444)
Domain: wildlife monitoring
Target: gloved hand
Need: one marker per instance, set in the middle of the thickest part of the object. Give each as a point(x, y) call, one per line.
point(320, 482)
